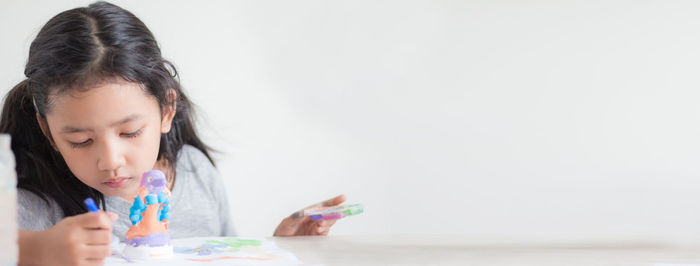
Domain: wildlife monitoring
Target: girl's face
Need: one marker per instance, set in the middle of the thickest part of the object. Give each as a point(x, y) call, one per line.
point(108, 135)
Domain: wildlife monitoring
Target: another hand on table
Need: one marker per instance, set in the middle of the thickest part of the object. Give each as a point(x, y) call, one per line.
point(299, 225)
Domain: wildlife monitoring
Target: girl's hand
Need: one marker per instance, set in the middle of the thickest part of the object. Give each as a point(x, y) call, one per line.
point(299, 225)
point(77, 240)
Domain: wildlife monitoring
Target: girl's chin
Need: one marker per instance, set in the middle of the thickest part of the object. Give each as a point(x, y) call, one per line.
point(126, 192)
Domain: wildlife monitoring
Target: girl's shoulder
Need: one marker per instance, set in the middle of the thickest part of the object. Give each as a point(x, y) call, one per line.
point(197, 180)
point(35, 213)
point(194, 166)
point(192, 157)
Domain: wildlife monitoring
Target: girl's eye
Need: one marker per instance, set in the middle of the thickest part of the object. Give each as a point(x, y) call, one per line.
point(80, 144)
point(132, 134)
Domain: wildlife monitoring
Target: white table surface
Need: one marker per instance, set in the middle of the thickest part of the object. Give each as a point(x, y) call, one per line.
point(455, 250)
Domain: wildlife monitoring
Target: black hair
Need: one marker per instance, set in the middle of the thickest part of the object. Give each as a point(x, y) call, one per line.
point(74, 50)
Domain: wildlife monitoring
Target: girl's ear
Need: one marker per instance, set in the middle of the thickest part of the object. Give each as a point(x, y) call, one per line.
point(45, 130)
point(169, 111)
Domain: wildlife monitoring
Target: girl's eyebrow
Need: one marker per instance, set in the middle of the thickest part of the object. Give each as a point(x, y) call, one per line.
point(70, 129)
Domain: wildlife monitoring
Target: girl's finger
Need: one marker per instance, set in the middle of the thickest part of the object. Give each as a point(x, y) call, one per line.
point(325, 231)
point(97, 252)
point(309, 230)
point(319, 227)
point(326, 223)
point(330, 223)
point(334, 201)
point(95, 261)
point(95, 220)
point(291, 225)
point(297, 215)
point(322, 229)
point(337, 200)
point(98, 237)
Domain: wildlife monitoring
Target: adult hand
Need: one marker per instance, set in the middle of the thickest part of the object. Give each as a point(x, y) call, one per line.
point(299, 225)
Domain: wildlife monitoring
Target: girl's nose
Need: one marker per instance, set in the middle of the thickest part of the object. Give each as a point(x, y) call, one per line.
point(110, 157)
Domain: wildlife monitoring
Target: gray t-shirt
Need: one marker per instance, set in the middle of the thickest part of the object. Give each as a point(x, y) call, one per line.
point(199, 206)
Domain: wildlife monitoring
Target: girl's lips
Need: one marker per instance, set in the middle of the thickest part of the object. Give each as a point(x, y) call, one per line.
point(117, 182)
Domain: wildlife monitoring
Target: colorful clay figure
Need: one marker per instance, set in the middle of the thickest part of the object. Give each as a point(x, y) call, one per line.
point(148, 236)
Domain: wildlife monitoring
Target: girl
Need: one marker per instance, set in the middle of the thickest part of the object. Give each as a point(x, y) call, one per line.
point(99, 107)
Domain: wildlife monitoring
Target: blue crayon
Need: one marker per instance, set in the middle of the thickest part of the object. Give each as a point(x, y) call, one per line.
point(90, 203)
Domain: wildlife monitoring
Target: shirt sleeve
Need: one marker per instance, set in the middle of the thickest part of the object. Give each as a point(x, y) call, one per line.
point(33, 213)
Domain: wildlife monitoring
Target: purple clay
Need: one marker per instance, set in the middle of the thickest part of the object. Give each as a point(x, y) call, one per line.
point(154, 181)
point(152, 240)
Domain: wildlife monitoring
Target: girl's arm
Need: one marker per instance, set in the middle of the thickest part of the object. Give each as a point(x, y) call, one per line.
point(77, 240)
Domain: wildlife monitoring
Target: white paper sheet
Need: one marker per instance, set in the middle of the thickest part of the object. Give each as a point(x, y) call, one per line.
point(216, 251)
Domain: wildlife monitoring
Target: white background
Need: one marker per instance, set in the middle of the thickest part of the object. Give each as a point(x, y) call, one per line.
point(514, 119)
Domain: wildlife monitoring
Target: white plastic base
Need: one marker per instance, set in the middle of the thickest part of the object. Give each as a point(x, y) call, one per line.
point(146, 252)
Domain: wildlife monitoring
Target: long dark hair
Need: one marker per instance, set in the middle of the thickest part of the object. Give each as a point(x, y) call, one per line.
point(75, 49)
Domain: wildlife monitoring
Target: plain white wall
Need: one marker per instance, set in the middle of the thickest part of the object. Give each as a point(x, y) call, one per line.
point(520, 119)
